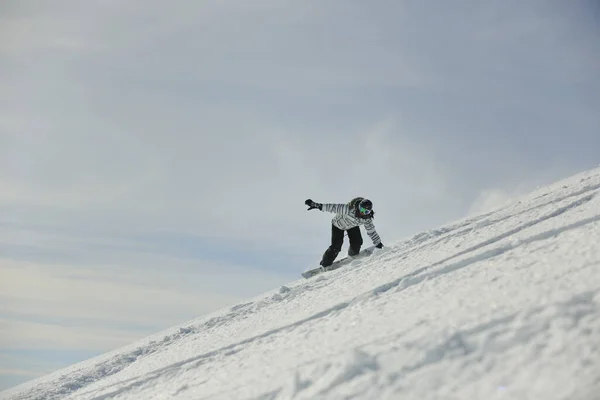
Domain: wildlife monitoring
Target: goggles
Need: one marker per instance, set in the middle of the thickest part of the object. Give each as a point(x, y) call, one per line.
point(364, 211)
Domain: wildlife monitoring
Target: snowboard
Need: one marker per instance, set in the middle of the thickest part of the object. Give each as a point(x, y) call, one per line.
point(339, 263)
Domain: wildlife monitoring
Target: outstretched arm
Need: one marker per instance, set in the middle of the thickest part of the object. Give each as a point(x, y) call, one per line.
point(328, 207)
point(335, 208)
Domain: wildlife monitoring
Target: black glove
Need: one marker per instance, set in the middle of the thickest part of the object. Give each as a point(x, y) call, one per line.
point(311, 204)
point(379, 246)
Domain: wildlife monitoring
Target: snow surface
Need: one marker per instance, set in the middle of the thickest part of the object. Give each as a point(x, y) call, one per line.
point(505, 305)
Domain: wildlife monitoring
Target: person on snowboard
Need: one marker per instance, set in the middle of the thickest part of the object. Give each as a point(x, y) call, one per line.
point(348, 217)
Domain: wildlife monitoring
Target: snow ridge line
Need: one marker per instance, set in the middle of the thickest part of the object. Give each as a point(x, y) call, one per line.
point(421, 274)
point(440, 233)
point(69, 383)
point(511, 232)
point(529, 224)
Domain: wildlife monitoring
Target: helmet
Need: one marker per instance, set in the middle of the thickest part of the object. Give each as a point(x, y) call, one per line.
point(365, 207)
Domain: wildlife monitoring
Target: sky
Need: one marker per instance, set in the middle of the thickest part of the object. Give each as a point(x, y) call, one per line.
point(154, 159)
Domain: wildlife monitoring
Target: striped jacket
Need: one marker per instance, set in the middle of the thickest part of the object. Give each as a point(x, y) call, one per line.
point(345, 219)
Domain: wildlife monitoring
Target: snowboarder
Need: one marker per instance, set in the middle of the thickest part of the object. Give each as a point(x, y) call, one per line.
point(349, 217)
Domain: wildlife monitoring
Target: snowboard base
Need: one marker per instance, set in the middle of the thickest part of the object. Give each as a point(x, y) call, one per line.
point(339, 263)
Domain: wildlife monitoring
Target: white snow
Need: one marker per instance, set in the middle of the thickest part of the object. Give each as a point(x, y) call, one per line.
point(505, 305)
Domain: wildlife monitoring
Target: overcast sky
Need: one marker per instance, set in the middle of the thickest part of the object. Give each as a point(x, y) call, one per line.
point(155, 156)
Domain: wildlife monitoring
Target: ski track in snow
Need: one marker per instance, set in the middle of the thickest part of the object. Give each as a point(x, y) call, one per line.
point(214, 357)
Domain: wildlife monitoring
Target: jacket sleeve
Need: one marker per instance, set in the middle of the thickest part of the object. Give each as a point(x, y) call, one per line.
point(336, 208)
point(370, 227)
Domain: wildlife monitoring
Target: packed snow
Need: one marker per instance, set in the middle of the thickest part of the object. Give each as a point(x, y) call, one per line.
point(504, 305)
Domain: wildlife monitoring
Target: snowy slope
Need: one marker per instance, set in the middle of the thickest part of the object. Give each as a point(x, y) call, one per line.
point(505, 305)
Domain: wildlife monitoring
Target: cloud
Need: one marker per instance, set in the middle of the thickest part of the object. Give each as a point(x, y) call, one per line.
point(490, 200)
point(162, 154)
point(212, 188)
point(27, 335)
point(164, 288)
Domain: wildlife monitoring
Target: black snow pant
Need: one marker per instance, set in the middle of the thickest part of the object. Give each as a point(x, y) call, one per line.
point(337, 240)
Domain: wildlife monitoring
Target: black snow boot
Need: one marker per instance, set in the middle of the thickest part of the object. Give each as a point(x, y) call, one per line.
point(353, 251)
point(329, 256)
